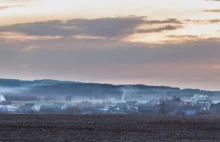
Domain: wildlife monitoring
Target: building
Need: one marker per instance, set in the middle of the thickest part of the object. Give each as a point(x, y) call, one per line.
point(2, 98)
point(200, 97)
point(60, 106)
point(48, 109)
point(84, 105)
point(104, 110)
point(188, 110)
point(6, 106)
point(204, 104)
point(147, 109)
point(6, 103)
point(215, 108)
point(7, 109)
point(154, 102)
point(55, 108)
point(29, 108)
point(123, 107)
point(117, 111)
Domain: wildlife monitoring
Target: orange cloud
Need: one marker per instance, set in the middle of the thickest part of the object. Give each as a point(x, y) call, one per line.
point(14, 36)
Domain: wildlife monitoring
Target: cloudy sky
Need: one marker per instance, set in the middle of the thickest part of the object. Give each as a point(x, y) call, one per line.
point(159, 42)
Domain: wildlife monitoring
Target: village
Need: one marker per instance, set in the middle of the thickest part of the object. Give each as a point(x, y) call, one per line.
point(197, 105)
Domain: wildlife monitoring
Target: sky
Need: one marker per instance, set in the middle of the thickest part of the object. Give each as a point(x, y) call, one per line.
point(160, 42)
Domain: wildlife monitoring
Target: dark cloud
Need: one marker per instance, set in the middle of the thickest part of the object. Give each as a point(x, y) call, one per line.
point(75, 51)
point(212, 21)
point(105, 27)
point(167, 21)
point(160, 29)
point(102, 27)
point(212, 10)
point(183, 36)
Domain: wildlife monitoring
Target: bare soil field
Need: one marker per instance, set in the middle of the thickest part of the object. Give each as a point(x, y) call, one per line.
point(108, 128)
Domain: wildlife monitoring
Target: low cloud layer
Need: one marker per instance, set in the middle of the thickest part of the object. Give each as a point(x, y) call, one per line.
point(160, 29)
point(188, 63)
point(9, 6)
point(3, 7)
point(210, 21)
point(103, 27)
point(212, 10)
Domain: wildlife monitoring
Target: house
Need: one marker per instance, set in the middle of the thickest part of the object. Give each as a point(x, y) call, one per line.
point(7, 109)
point(2, 98)
point(117, 111)
point(36, 108)
point(84, 105)
point(154, 102)
point(6, 106)
point(55, 108)
point(122, 106)
point(147, 109)
point(29, 108)
point(204, 104)
point(104, 110)
point(6, 103)
point(188, 110)
point(200, 97)
point(48, 109)
point(60, 106)
point(215, 108)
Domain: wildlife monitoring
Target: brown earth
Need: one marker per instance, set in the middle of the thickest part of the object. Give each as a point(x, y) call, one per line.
point(108, 128)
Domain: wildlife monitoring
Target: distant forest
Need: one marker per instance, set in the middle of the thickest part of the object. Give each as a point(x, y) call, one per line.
point(21, 89)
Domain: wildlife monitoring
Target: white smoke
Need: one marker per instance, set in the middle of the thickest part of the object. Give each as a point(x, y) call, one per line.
point(125, 91)
point(123, 96)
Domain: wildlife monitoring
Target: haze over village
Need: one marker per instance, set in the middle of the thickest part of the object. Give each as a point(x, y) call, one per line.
point(132, 59)
point(65, 97)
